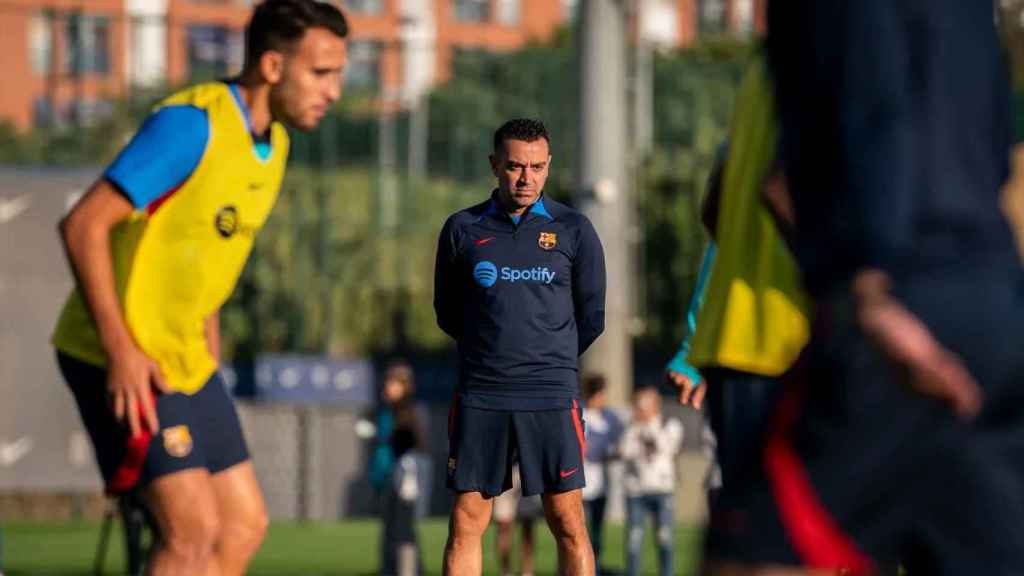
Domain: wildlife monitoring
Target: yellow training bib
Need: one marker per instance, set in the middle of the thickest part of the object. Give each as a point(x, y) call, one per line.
point(176, 263)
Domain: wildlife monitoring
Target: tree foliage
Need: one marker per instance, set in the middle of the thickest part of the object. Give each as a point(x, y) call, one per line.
point(333, 273)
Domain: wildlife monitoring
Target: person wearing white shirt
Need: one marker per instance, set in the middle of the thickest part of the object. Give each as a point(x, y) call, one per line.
point(649, 449)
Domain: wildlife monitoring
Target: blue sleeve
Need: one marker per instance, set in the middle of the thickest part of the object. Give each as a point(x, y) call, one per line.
point(679, 363)
point(588, 285)
point(163, 153)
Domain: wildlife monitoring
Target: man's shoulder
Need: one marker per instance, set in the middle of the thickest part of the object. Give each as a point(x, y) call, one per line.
point(467, 215)
point(566, 215)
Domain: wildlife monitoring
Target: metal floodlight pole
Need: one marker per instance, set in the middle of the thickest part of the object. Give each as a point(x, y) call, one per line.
point(602, 180)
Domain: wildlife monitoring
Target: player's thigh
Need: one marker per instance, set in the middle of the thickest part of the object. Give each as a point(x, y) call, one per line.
point(564, 512)
point(550, 445)
point(184, 506)
point(471, 513)
point(240, 501)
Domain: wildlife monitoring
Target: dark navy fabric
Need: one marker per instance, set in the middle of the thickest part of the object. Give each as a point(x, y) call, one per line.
point(522, 301)
point(896, 126)
point(484, 444)
point(162, 154)
point(901, 476)
point(197, 431)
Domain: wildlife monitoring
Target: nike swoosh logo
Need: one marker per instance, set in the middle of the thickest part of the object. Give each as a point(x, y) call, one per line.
point(483, 241)
point(567, 473)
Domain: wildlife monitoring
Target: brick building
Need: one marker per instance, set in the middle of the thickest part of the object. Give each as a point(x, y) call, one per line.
point(67, 60)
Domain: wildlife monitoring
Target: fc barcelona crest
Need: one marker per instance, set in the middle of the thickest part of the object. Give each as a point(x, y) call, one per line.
point(547, 240)
point(177, 441)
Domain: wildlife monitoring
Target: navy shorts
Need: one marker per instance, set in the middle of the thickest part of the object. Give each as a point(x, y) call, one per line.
point(858, 472)
point(196, 431)
point(484, 444)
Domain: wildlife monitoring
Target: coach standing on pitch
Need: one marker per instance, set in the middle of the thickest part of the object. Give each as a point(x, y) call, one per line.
point(519, 284)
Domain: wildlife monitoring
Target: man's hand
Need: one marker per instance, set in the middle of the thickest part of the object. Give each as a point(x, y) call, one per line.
point(689, 392)
point(931, 369)
point(130, 381)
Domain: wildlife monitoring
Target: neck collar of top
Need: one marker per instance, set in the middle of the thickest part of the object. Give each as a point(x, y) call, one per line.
point(494, 209)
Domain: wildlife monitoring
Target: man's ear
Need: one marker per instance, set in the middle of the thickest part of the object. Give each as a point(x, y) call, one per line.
point(272, 66)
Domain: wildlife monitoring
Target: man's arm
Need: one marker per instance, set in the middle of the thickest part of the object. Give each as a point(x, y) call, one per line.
point(447, 292)
point(85, 233)
point(679, 370)
point(588, 285)
point(146, 169)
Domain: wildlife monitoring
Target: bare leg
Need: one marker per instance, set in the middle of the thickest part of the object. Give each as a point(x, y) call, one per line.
point(503, 544)
point(526, 548)
point(564, 513)
point(243, 517)
point(471, 513)
point(184, 506)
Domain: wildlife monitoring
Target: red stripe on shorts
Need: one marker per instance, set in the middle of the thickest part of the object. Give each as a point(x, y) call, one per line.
point(579, 430)
point(814, 533)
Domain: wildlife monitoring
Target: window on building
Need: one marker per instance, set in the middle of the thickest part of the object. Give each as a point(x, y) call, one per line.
point(570, 10)
point(43, 112)
point(711, 16)
point(40, 42)
point(363, 68)
point(88, 44)
point(743, 17)
point(365, 6)
point(88, 112)
point(472, 10)
point(214, 52)
point(507, 12)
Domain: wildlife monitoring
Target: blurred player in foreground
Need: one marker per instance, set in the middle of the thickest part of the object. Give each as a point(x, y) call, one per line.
point(905, 442)
point(519, 284)
point(156, 247)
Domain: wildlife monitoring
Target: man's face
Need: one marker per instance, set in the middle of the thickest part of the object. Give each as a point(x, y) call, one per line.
point(310, 79)
point(521, 169)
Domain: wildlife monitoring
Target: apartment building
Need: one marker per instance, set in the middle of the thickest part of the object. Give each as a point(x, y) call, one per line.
point(68, 60)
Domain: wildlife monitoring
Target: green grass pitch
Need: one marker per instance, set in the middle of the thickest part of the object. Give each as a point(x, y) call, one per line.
point(343, 548)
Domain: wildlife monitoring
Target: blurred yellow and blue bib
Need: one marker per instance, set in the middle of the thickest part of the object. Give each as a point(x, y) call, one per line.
point(755, 313)
point(178, 257)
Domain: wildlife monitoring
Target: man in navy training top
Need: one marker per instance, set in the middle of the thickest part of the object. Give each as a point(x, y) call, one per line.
point(519, 284)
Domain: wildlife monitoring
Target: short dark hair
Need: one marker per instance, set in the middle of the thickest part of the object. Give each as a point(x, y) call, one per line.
point(593, 384)
point(525, 129)
point(276, 24)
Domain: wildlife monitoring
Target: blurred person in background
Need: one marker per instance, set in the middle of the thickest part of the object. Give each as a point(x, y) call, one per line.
point(519, 283)
point(899, 436)
point(156, 246)
point(603, 431)
point(511, 508)
point(650, 446)
point(400, 470)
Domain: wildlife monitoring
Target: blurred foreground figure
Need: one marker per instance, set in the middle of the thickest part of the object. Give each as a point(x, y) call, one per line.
point(156, 246)
point(900, 435)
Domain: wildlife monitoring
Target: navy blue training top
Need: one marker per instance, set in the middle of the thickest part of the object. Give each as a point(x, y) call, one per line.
point(522, 300)
point(896, 135)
